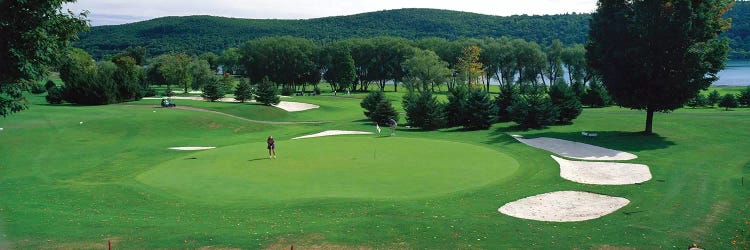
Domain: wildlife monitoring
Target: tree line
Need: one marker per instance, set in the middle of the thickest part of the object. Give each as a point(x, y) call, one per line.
point(200, 34)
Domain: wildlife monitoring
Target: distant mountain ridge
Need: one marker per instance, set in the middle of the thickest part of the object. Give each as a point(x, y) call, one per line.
point(198, 34)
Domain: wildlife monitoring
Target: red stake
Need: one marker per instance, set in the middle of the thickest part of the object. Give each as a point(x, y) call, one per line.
point(109, 242)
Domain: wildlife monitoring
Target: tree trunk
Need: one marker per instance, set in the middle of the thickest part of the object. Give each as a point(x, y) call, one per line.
point(649, 120)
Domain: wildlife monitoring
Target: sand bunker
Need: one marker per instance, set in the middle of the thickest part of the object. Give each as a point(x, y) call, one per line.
point(576, 150)
point(192, 148)
point(288, 106)
point(564, 206)
point(603, 173)
point(296, 106)
point(334, 132)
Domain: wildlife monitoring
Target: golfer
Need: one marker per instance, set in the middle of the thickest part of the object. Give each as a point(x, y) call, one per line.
point(271, 147)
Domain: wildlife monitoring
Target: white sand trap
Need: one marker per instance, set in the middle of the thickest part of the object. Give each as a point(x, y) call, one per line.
point(576, 150)
point(564, 206)
point(295, 106)
point(603, 173)
point(288, 106)
point(334, 132)
point(192, 148)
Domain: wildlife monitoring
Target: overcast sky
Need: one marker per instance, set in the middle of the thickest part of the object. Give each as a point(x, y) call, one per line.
point(105, 12)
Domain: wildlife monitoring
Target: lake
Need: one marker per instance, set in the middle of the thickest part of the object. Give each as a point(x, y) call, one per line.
point(736, 73)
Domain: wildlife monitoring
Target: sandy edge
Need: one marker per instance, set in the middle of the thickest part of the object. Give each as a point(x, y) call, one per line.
point(576, 150)
point(288, 106)
point(563, 206)
point(333, 132)
point(191, 148)
point(603, 173)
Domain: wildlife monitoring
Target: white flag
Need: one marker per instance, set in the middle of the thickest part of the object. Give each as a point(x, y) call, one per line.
point(377, 127)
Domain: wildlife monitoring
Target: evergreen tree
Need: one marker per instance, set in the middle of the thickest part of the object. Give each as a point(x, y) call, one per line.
point(566, 101)
point(713, 98)
point(479, 109)
point(213, 89)
point(423, 110)
point(699, 100)
point(54, 95)
point(455, 109)
point(371, 101)
point(383, 112)
point(728, 101)
point(596, 95)
point(534, 110)
point(244, 91)
point(267, 92)
point(504, 100)
point(744, 97)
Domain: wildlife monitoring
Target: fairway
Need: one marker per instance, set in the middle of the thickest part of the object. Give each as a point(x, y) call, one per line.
point(336, 167)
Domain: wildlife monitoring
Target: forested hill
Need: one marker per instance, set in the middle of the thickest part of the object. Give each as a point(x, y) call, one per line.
point(198, 34)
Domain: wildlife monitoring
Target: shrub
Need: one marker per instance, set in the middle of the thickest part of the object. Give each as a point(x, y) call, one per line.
point(728, 101)
point(371, 101)
point(566, 101)
point(37, 88)
point(423, 110)
point(533, 110)
point(267, 92)
point(479, 110)
point(149, 92)
point(54, 95)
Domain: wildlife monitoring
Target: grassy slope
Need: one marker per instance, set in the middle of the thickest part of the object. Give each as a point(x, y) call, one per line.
point(73, 186)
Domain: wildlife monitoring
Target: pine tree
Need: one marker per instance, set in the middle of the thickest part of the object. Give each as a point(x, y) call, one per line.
point(423, 110)
point(728, 101)
point(503, 101)
point(744, 97)
point(383, 112)
point(371, 101)
point(566, 101)
point(697, 101)
point(213, 90)
point(713, 98)
point(268, 93)
point(479, 110)
point(244, 91)
point(533, 110)
point(456, 106)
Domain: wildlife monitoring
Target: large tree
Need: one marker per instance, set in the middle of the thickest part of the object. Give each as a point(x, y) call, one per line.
point(33, 35)
point(425, 71)
point(656, 55)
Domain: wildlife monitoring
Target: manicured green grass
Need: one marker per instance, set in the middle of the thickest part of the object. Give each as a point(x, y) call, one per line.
point(74, 186)
point(359, 167)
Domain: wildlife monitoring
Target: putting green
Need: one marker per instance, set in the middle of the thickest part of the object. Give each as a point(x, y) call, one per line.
point(338, 166)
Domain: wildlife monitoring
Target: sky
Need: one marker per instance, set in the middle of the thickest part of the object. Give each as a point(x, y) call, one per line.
point(107, 12)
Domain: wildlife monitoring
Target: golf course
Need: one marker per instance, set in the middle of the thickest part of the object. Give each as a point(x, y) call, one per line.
point(83, 177)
